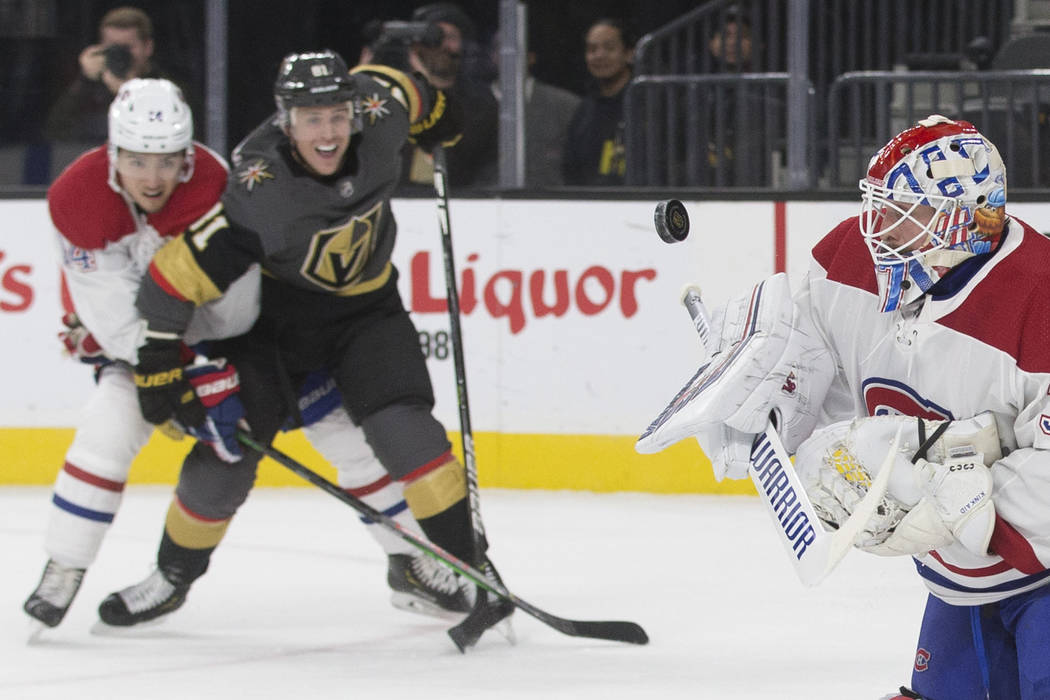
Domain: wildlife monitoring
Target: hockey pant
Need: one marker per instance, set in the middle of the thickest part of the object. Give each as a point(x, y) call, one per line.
point(998, 650)
point(382, 376)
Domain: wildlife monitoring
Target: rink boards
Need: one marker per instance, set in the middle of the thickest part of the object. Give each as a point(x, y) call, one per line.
point(574, 337)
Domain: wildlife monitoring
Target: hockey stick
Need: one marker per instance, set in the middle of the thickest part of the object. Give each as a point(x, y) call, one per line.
point(467, 632)
point(610, 630)
point(814, 551)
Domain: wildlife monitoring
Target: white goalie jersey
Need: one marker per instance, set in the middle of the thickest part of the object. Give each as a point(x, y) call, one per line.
point(980, 342)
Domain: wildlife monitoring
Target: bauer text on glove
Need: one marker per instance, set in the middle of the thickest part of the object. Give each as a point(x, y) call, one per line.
point(217, 386)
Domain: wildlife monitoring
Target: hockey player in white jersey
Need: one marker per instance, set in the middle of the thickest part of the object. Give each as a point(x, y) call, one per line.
point(112, 209)
point(922, 322)
point(949, 325)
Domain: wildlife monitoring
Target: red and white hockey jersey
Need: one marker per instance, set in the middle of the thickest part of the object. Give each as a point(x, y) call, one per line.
point(980, 341)
point(107, 242)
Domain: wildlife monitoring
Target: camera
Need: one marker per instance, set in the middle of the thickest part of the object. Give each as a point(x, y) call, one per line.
point(390, 41)
point(117, 59)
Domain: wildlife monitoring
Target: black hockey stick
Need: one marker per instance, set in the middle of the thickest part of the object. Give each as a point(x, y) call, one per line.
point(611, 630)
point(467, 632)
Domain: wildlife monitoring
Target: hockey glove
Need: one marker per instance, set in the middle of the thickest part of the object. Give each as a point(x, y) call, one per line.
point(944, 497)
point(216, 385)
point(442, 126)
point(79, 342)
point(163, 389)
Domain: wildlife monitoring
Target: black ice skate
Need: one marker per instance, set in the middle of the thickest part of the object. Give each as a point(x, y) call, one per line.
point(51, 599)
point(422, 585)
point(147, 600)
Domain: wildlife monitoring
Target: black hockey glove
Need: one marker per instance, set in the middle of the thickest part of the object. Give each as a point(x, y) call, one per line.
point(164, 390)
point(442, 125)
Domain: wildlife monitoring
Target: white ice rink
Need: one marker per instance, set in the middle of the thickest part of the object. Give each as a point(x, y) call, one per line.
point(296, 606)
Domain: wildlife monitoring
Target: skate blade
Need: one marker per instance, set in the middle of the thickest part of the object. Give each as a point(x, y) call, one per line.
point(37, 632)
point(419, 606)
point(149, 628)
point(506, 630)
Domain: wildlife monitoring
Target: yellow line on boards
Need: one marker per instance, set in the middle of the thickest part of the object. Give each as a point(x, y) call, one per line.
point(601, 463)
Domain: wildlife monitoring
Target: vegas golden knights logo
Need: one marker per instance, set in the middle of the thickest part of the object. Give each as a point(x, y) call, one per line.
point(338, 255)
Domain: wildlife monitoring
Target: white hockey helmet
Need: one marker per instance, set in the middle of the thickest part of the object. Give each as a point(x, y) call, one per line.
point(934, 196)
point(150, 116)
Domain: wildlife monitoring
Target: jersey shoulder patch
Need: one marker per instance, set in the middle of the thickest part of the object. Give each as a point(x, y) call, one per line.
point(83, 207)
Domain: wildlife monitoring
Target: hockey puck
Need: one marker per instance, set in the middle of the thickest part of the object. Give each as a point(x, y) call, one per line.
point(672, 221)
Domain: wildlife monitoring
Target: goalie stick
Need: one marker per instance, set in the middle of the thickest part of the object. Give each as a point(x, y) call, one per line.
point(481, 617)
point(611, 630)
point(813, 550)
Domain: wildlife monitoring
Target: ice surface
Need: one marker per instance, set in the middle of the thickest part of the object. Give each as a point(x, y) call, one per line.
point(296, 606)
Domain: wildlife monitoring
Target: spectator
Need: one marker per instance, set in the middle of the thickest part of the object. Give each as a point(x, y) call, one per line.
point(548, 111)
point(594, 152)
point(740, 117)
point(80, 112)
point(472, 161)
point(731, 46)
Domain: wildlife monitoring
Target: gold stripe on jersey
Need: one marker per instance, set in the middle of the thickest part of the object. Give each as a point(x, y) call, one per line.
point(404, 90)
point(175, 261)
point(191, 532)
point(437, 491)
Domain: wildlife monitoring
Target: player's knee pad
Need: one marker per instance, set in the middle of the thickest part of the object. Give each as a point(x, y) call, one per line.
point(213, 489)
point(405, 436)
point(112, 430)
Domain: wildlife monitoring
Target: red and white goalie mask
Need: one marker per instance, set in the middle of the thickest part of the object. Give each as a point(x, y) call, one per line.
point(934, 196)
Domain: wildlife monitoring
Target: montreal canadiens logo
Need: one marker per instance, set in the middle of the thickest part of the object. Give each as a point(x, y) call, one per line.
point(1044, 424)
point(884, 397)
point(922, 660)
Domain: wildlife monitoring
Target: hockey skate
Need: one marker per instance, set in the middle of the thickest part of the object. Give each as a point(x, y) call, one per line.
point(53, 595)
point(154, 597)
point(421, 584)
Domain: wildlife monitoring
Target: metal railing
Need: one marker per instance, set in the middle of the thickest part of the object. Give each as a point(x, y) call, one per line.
point(707, 130)
point(1011, 108)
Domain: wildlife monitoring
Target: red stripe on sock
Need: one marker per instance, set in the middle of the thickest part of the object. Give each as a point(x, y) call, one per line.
point(94, 480)
point(196, 516)
point(428, 467)
point(369, 488)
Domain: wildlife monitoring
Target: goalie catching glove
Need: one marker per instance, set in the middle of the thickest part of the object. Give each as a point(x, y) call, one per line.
point(199, 399)
point(940, 489)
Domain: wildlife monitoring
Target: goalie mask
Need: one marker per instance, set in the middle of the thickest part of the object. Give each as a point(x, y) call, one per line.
point(934, 196)
point(315, 79)
point(150, 116)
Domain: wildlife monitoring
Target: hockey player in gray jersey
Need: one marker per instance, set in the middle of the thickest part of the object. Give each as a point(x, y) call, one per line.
point(308, 200)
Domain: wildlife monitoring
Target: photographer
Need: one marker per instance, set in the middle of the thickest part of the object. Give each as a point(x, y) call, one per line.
point(433, 44)
point(124, 51)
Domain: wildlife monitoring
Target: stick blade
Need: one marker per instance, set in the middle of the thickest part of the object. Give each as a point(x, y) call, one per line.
point(484, 615)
